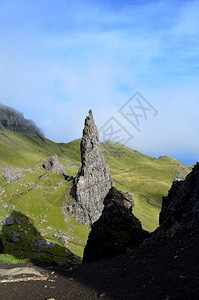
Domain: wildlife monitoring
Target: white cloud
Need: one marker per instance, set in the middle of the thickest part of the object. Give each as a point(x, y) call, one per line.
point(57, 65)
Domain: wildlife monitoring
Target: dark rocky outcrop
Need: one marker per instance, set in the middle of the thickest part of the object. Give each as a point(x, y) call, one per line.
point(181, 206)
point(1, 246)
point(116, 230)
point(52, 164)
point(93, 180)
point(14, 120)
point(163, 157)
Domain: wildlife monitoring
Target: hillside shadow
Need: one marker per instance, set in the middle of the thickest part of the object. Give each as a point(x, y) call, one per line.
point(134, 275)
point(23, 241)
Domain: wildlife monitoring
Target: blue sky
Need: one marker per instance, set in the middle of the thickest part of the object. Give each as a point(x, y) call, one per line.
point(60, 58)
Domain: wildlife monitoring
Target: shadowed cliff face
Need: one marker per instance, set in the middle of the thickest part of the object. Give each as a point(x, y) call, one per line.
point(116, 230)
point(181, 206)
point(93, 180)
point(13, 120)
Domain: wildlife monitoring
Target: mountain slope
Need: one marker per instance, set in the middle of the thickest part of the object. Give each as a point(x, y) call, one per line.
point(15, 121)
point(146, 178)
point(41, 195)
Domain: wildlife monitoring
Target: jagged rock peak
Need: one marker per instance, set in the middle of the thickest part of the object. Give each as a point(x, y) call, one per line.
point(93, 180)
point(90, 139)
point(116, 230)
point(181, 206)
point(15, 121)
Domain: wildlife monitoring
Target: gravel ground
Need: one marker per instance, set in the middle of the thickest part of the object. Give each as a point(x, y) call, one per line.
point(166, 270)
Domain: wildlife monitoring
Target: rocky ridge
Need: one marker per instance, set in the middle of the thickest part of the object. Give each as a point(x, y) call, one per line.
point(180, 208)
point(181, 205)
point(14, 120)
point(93, 181)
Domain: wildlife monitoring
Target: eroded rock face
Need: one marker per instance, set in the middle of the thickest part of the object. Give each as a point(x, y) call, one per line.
point(116, 230)
point(181, 206)
point(93, 180)
point(14, 120)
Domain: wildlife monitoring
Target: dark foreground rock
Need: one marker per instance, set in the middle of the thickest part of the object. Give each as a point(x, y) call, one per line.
point(116, 230)
point(181, 206)
point(1, 246)
point(167, 270)
point(93, 180)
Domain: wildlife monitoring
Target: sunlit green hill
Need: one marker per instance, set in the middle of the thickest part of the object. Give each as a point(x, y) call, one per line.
point(41, 195)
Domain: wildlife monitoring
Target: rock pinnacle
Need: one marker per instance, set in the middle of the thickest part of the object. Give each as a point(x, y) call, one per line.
point(93, 180)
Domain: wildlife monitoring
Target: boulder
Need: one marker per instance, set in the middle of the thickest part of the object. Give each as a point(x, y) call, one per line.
point(116, 230)
point(11, 174)
point(52, 164)
point(8, 221)
point(93, 181)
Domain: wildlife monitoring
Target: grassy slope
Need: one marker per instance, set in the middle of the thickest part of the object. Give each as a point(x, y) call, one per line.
point(46, 200)
point(145, 177)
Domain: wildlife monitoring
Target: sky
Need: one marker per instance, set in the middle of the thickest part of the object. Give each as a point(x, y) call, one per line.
point(135, 63)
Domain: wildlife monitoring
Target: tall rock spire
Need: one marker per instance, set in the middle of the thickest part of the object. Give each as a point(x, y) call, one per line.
point(93, 181)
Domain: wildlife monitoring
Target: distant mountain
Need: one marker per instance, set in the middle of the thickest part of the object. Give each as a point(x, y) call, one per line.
point(15, 121)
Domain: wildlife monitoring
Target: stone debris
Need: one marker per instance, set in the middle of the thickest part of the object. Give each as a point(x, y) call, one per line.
point(43, 244)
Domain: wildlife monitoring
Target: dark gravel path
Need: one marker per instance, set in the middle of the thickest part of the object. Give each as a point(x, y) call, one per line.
point(166, 270)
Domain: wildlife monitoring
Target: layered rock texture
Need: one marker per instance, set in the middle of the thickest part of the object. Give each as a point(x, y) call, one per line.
point(181, 206)
point(52, 164)
point(14, 120)
point(93, 180)
point(116, 230)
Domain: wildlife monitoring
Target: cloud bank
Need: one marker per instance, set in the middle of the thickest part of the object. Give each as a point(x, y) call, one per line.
point(60, 58)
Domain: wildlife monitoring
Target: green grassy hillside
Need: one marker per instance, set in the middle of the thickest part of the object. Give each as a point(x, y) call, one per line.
point(40, 196)
point(146, 178)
